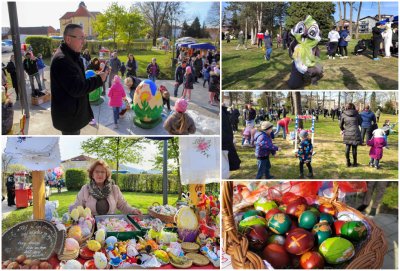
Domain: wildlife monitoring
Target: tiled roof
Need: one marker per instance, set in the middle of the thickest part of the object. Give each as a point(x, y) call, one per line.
point(36, 30)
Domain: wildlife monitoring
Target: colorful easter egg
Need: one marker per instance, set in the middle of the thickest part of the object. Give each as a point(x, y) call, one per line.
point(276, 239)
point(75, 232)
point(289, 197)
point(298, 241)
point(279, 223)
point(337, 227)
point(354, 231)
point(307, 220)
point(312, 260)
point(271, 212)
point(296, 208)
point(252, 213)
point(257, 237)
point(336, 250)
point(276, 255)
point(71, 244)
point(147, 105)
point(321, 231)
point(265, 205)
point(327, 208)
point(314, 210)
point(324, 217)
point(250, 222)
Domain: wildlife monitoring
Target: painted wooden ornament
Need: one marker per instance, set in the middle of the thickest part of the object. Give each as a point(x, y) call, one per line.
point(299, 241)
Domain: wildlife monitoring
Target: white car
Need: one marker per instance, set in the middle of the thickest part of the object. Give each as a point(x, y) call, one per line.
point(5, 48)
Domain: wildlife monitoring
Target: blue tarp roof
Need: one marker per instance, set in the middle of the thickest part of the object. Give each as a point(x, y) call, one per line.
point(186, 44)
point(203, 46)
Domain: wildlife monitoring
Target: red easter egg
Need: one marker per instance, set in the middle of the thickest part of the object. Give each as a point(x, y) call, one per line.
point(257, 237)
point(289, 197)
point(296, 208)
point(327, 208)
point(337, 226)
point(271, 212)
point(276, 255)
point(312, 260)
point(298, 241)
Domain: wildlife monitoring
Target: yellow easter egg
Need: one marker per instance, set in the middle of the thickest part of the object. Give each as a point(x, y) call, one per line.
point(187, 219)
point(93, 245)
point(80, 210)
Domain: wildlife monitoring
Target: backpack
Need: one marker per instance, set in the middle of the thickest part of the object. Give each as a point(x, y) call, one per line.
point(347, 38)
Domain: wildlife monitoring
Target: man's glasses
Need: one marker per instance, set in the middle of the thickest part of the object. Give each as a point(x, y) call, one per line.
point(76, 37)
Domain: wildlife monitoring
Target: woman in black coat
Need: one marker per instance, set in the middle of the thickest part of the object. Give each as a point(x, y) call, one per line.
point(350, 123)
point(227, 141)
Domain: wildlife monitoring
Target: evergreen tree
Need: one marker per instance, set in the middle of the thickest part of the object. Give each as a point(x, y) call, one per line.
point(373, 104)
point(322, 12)
point(185, 29)
point(195, 28)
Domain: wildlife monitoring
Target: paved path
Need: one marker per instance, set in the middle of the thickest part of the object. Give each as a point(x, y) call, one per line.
point(205, 116)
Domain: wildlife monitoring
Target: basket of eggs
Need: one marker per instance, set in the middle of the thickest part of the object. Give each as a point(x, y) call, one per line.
point(290, 232)
point(81, 224)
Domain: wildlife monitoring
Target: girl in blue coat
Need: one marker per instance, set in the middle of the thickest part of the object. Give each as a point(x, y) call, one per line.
point(344, 36)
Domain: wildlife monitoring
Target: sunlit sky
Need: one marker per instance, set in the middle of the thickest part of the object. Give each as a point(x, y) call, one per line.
point(48, 13)
point(70, 146)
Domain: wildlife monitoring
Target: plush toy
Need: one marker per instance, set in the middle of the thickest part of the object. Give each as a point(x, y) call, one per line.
point(305, 54)
point(387, 38)
point(110, 242)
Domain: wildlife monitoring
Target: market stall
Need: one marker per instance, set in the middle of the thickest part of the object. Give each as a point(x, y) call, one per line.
point(181, 236)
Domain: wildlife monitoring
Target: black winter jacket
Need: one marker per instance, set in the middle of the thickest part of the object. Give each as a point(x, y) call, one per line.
point(30, 66)
point(350, 123)
point(70, 107)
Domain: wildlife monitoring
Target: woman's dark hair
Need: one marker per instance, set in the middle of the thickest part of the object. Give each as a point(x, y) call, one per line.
point(334, 27)
point(350, 106)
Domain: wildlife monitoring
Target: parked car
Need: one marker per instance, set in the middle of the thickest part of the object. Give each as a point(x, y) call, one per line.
point(5, 48)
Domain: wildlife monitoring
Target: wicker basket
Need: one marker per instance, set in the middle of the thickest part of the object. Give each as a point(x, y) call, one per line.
point(83, 240)
point(369, 256)
point(163, 218)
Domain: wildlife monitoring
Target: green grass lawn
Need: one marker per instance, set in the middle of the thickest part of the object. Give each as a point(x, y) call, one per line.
point(356, 72)
point(138, 200)
point(328, 163)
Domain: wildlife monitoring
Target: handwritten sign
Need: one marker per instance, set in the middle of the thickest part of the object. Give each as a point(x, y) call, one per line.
point(36, 239)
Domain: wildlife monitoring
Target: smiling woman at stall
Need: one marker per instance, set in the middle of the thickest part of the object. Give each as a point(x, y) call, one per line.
point(101, 195)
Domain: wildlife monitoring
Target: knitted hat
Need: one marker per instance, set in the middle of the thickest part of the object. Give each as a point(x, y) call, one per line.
point(265, 125)
point(303, 134)
point(378, 133)
point(181, 105)
point(188, 69)
point(117, 79)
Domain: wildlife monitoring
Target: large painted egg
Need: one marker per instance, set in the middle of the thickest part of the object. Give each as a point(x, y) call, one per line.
point(271, 212)
point(71, 244)
point(147, 104)
point(250, 222)
point(312, 260)
point(299, 241)
point(296, 208)
point(252, 213)
point(336, 250)
point(75, 232)
point(354, 231)
point(337, 227)
point(314, 210)
point(321, 231)
point(265, 205)
point(289, 197)
point(257, 237)
point(324, 217)
point(327, 208)
point(279, 223)
point(276, 239)
point(307, 220)
point(276, 255)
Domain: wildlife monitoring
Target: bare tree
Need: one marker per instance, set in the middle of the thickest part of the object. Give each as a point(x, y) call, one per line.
point(358, 19)
point(213, 16)
point(323, 99)
point(344, 11)
point(351, 18)
point(340, 14)
point(297, 106)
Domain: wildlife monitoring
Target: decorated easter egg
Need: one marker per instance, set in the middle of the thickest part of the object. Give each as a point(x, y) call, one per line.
point(87, 212)
point(93, 245)
point(296, 208)
point(186, 218)
point(336, 250)
point(299, 241)
point(354, 231)
point(100, 260)
point(312, 260)
point(307, 220)
point(89, 224)
point(257, 236)
point(324, 217)
point(71, 264)
point(100, 236)
point(252, 213)
point(279, 223)
point(75, 232)
point(271, 212)
point(86, 232)
point(276, 255)
point(250, 222)
point(75, 214)
point(110, 241)
point(276, 239)
point(327, 208)
point(147, 103)
point(321, 231)
point(314, 210)
point(265, 205)
point(337, 227)
point(81, 210)
point(289, 197)
point(282, 207)
point(71, 244)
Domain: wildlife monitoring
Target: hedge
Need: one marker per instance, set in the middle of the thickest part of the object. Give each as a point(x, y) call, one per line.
point(75, 178)
point(40, 44)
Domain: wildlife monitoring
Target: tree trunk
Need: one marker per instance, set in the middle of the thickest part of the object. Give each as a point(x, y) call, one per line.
point(323, 99)
point(291, 103)
point(230, 98)
point(297, 106)
point(245, 35)
point(178, 163)
point(351, 18)
point(339, 100)
point(379, 11)
point(365, 98)
point(310, 104)
point(358, 20)
point(118, 141)
point(340, 14)
point(344, 12)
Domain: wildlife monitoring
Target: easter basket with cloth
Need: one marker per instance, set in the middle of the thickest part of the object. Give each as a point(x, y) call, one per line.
point(369, 254)
point(164, 218)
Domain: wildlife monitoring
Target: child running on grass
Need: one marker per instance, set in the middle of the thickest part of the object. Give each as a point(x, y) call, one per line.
point(377, 143)
point(304, 154)
point(264, 148)
point(117, 95)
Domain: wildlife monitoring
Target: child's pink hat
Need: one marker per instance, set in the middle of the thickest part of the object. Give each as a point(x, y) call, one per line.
point(117, 79)
point(181, 105)
point(189, 69)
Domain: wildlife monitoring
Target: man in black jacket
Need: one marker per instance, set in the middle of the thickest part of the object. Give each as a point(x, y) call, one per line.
point(70, 107)
point(31, 69)
point(179, 73)
point(376, 39)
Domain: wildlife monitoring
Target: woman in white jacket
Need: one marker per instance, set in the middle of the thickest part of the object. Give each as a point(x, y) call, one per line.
point(333, 37)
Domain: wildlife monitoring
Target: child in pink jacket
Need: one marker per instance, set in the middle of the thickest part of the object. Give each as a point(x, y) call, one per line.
point(117, 95)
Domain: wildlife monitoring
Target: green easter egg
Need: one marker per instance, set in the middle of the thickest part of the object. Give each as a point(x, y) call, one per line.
point(279, 223)
point(336, 250)
point(354, 231)
point(307, 220)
